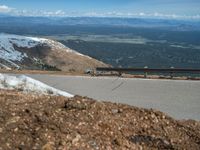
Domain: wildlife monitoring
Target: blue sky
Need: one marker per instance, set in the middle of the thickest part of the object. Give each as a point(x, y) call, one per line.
point(188, 9)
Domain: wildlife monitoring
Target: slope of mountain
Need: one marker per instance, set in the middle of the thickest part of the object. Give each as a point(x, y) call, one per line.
point(23, 52)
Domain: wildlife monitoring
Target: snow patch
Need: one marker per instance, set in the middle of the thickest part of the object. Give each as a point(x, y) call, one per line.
point(7, 42)
point(4, 66)
point(13, 64)
point(27, 84)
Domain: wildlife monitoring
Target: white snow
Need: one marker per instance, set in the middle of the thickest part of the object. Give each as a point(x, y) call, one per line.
point(7, 42)
point(27, 84)
point(4, 66)
point(12, 64)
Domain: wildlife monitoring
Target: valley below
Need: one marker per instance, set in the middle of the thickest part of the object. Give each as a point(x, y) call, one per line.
point(129, 51)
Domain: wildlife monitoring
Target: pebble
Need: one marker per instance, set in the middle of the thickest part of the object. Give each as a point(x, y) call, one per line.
point(76, 139)
point(115, 111)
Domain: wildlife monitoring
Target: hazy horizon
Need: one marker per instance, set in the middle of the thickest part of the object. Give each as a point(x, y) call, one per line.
point(158, 9)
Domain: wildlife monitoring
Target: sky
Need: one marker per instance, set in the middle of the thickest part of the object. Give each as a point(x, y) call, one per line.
point(175, 9)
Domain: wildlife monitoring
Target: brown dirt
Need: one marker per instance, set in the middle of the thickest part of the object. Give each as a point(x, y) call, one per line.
point(48, 122)
point(42, 72)
point(71, 62)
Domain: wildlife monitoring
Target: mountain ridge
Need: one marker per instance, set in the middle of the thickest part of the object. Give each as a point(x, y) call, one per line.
point(167, 24)
point(22, 52)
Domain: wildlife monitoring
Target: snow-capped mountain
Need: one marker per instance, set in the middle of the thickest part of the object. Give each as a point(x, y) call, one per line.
point(39, 53)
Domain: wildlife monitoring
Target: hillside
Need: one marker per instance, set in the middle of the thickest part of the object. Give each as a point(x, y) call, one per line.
point(29, 121)
point(21, 52)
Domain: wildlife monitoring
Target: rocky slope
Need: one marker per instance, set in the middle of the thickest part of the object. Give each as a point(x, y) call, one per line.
point(30, 121)
point(23, 52)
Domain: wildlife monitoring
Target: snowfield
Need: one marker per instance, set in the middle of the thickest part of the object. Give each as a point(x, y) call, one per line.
point(8, 41)
point(27, 84)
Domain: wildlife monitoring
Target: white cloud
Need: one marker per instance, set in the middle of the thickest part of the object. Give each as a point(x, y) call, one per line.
point(58, 13)
point(50, 13)
point(61, 13)
point(5, 9)
point(144, 15)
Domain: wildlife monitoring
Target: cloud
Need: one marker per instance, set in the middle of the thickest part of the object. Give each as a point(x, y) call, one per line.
point(39, 13)
point(24, 12)
point(61, 13)
point(5, 9)
point(144, 15)
point(169, 16)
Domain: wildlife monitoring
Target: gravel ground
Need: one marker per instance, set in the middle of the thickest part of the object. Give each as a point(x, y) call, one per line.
point(47, 122)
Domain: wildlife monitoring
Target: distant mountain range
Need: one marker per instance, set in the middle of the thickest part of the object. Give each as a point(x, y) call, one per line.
point(22, 52)
point(181, 25)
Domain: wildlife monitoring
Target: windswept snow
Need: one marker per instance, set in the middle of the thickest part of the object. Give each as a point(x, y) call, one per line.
point(27, 84)
point(8, 41)
point(4, 66)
